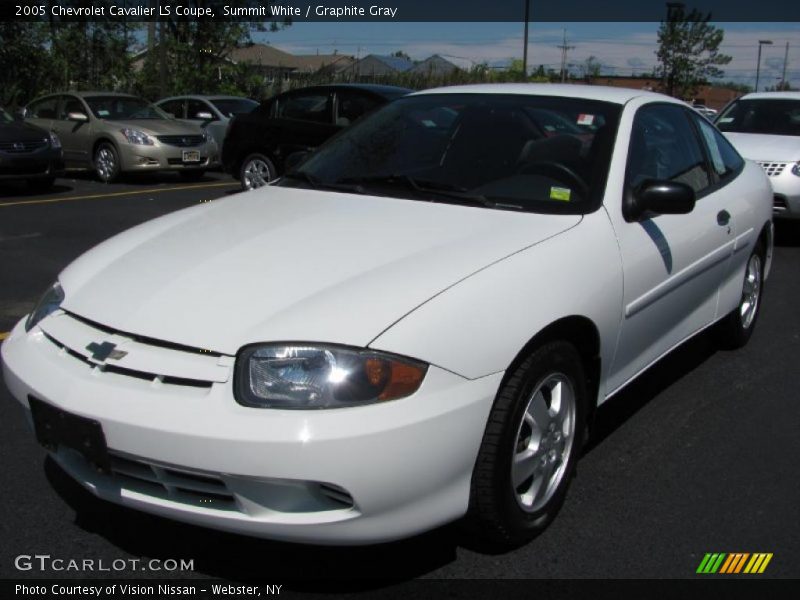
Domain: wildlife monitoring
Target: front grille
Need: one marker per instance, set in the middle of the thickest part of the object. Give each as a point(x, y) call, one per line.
point(187, 487)
point(182, 141)
point(773, 169)
point(22, 147)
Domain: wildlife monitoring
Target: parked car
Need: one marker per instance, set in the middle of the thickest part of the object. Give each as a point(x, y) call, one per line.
point(118, 133)
point(212, 113)
point(765, 127)
point(413, 326)
point(258, 143)
point(29, 153)
point(708, 113)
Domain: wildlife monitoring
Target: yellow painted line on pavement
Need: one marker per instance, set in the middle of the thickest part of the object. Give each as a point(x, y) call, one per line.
point(117, 194)
point(4, 335)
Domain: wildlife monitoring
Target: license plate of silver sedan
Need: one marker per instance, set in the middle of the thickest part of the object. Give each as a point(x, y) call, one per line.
point(191, 156)
point(412, 327)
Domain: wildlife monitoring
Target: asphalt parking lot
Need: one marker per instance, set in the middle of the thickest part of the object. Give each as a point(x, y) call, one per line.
point(699, 455)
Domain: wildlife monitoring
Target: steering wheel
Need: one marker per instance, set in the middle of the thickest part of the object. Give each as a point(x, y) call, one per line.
point(558, 171)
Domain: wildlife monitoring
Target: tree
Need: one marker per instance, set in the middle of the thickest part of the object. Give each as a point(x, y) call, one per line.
point(591, 68)
point(26, 68)
point(688, 51)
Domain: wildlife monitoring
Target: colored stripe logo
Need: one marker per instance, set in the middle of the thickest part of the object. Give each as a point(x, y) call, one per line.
point(734, 563)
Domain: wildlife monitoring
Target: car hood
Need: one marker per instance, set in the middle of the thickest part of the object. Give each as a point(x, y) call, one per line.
point(157, 126)
point(763, 147)
point(20, 131)
point(290, 264)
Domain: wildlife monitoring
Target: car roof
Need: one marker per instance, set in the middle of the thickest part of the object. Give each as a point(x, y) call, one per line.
point(772, 96)
point(591, 92)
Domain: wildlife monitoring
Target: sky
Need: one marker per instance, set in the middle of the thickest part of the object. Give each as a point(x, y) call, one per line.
point(622, 48)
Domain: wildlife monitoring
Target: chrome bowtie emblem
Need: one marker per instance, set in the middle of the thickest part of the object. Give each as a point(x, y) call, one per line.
point(101, 352)
point(19, 146)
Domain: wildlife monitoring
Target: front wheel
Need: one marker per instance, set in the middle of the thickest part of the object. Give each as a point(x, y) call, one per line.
point(106, 162)
point(257, 171)
point(530, 447)
point(735, 329)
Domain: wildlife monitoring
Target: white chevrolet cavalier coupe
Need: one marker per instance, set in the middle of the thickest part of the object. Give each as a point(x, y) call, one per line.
point(414, 325)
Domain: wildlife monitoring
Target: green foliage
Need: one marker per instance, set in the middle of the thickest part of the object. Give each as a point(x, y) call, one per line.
point(24, 59)
point(688, 52)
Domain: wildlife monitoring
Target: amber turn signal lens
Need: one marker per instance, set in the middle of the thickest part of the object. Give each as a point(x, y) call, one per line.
point(404, 380)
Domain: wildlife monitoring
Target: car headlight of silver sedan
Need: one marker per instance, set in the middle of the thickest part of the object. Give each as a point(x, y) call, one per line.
point(48, 304)
point(313, 376)
point(134, 136)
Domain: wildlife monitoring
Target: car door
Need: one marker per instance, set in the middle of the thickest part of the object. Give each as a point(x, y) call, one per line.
point(303, 120)
point(75, 136)
point(673, 265)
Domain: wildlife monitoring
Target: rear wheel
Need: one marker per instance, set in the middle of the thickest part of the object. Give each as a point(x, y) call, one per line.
point(735, 329)
point(106, 162)
point(257, 171)
point(530, 447)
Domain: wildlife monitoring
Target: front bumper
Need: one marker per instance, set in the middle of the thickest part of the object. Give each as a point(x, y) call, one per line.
point(164, 157)
point(35, 165)
point(786, 187)
point(345, 476)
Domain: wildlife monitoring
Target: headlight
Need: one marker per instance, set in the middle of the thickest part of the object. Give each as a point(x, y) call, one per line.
point(134, 136)
point(796, 169)
point(298, 376)
point(54, 141)
point(49, 303)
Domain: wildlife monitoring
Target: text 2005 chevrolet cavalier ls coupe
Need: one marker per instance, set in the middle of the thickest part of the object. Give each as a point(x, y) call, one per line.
point(413, 326)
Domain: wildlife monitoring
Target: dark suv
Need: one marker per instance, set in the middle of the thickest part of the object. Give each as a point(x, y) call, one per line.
point(258, 143)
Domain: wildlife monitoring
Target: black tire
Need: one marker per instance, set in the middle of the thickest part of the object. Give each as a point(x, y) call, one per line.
point(42, 184)
point(735, 329)
point(496, 513)
point(106, 162)
point(256, 171)
point(192, 175)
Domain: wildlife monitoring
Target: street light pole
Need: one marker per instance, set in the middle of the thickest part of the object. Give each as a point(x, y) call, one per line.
point(758, 62)
point(525, 49)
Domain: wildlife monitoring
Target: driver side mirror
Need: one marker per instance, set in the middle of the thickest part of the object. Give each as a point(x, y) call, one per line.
point(659, 197)
point(78, 117)
point(204, 116)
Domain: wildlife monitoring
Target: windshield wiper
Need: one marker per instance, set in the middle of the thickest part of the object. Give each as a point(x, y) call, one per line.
point(318, 184)
point(429, 187)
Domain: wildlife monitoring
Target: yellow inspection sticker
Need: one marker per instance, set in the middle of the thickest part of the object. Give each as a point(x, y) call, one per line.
point(560, 193)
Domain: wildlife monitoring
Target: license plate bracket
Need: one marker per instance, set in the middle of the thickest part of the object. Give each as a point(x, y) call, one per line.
point(190, 156)
point(55, 427)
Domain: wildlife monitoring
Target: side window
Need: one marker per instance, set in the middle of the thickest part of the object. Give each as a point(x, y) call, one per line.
point(352, 105)
point(173, 107)
point(196, 107)
point(70, 104)
point(664, 146)
point(43, 109)
point(314, 107)
point(724, 159)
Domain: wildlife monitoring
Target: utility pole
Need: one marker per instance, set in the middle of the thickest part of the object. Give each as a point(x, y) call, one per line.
point(758, 60)
point(525, 41)
point(785, 61)
point(564, 49)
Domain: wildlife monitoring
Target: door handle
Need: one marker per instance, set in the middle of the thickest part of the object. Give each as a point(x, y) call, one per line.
point(723, 218)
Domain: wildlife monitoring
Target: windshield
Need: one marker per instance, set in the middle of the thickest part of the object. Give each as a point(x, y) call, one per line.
point(234, 106)
point(123, 108)
point(5, 117)
point(772, 116)
point(513, 152)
